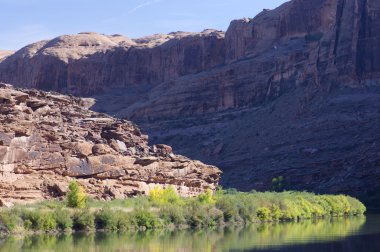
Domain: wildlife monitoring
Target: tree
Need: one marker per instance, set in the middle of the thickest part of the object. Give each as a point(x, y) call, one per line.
point(278, 184)
point(76, 197)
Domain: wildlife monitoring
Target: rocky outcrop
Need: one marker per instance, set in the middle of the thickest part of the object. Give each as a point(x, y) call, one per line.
point(4, 54)
point(47, 140)
point(291, 92)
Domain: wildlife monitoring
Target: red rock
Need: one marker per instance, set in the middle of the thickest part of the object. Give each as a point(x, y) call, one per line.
point(41, 164)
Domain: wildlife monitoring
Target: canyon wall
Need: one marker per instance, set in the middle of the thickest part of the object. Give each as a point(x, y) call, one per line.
point(87, 63)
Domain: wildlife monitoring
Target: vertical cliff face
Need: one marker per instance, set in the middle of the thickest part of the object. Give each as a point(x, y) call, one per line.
point(368, 47)
point(302, 41)
point(293, 85)
point(265, 31)
point(335, 34)
point(88, 62)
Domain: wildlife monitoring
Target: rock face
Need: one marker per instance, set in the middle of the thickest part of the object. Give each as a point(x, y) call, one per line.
point(47, 139)
point(4, 54)
point(292, 92)
point(88, 62)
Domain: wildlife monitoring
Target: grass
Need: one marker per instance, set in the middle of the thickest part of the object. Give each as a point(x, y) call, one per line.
point(165, 209)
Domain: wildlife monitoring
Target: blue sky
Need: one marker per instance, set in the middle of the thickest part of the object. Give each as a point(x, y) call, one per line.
point(26, 21)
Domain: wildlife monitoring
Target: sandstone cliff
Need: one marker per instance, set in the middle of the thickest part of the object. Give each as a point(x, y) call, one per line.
point(88, 62)
point(47, 139)
point(293, 91)
point(4, 54)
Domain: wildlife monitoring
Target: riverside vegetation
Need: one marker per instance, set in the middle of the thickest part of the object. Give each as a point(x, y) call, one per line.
point(164, 209)
point(236, 238)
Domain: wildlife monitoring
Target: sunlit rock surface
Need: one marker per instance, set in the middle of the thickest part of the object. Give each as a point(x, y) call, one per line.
point(48, 139)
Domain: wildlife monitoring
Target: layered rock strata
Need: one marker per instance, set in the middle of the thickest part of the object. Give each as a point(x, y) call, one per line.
point(87, 63)
point(48, 139)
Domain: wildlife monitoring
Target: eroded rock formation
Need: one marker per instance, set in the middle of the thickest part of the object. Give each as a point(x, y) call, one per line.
point(47, 139)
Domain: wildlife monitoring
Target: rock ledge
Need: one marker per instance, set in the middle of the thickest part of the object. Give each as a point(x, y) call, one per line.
point(48, 139)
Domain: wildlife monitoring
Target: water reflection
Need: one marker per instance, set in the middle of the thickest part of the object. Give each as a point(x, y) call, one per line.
point(268, 236)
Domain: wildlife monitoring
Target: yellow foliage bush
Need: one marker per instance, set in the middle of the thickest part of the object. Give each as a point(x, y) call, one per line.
point(160, 196)
point(76, 197)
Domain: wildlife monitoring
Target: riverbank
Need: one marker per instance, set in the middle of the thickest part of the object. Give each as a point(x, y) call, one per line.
point(273, 235)
point(164, 209)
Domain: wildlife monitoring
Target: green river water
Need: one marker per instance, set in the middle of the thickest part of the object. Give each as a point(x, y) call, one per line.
point(341, 234)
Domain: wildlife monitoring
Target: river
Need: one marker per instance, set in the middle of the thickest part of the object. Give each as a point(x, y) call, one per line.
point(335, 234)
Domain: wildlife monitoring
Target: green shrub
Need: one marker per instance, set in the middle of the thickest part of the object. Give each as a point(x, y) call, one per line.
point(198, 219)
point(172, 214)
point(39, 220)
point(193, 213)
point(9, 220)
point(336, 205)
point(246, 207)
point(106, 219)
point(219, 191)
point(276, 212)
point(76, 197)
point(215, 217)
point(206, 197)
point(324, 204)
point(125, 221)
point(229, 208)
point(290, 211)
point(345, 204)
point(305, 207)
point(356, 207)
point(166, 208)
point(203, 215)
point(145, 219)
point(63, 219)
point(263, 214)
point(83, 220)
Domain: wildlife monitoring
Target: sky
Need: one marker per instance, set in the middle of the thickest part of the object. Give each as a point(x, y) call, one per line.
point(26, 21)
